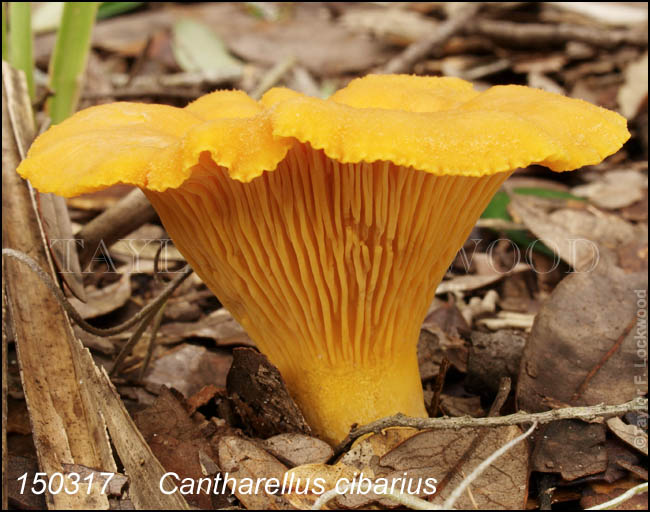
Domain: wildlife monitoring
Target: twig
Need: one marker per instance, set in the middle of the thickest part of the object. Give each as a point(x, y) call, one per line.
point(546, 489)
point(152, 340)
point(140, 60)
point(186, 79)
point(536, 34)
point(508, 319)
point(187, 94)
point(403, 63)
point(617, 344)
point(273, 76)
point(586, 413)
point(74, 314)
point(177, 85)
point(131, 343)
point(478, 470)
point(505, 384)
point(639, 489)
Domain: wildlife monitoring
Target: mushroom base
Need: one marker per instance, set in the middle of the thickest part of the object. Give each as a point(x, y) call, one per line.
point(332, 399)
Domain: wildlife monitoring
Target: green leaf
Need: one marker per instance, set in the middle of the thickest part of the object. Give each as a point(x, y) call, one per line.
point(197, 48)
point(498, 207)
point(69, 58)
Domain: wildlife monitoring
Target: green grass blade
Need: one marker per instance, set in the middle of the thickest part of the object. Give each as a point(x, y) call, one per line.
point(69, 58)
point(109, 9)
point(547, 193)
point(5, 46)
point(20, 40)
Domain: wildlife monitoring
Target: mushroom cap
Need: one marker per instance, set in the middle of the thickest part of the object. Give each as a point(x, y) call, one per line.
point(443, 126)
point(437, 125)
point(154, 147)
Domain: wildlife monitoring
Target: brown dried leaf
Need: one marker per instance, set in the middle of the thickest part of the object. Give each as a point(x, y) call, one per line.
point(176, 442)
point(318, 43)
point(255, 476)
point(441, 454)
point(398, 26)
point(461, 406)
point(433, 345)
point(637, 211)
point(219, 326)
point(631, 434)
point(298, 449)
point(100, 301)
point(614, 189)
point(188, 368)
point(635, 89)
point(449, 318)
point(571, 448)
point(579, 323)
point(633, 257)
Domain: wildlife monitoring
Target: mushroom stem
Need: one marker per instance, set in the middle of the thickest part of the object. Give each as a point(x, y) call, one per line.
point(333, 399)
point(330, 267)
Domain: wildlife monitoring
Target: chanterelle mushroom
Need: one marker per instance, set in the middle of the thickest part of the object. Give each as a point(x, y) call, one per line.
point(330, 258)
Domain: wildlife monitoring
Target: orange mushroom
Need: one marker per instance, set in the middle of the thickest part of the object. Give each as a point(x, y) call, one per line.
point(325, 226)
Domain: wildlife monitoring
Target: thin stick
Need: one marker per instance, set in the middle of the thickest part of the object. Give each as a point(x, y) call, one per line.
point(505, 385)
point(273, 76)
point(536, 34)
point(74, 314)
point(584, 413)
point(133, 341)
point(152, 340)
point(404, 62)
